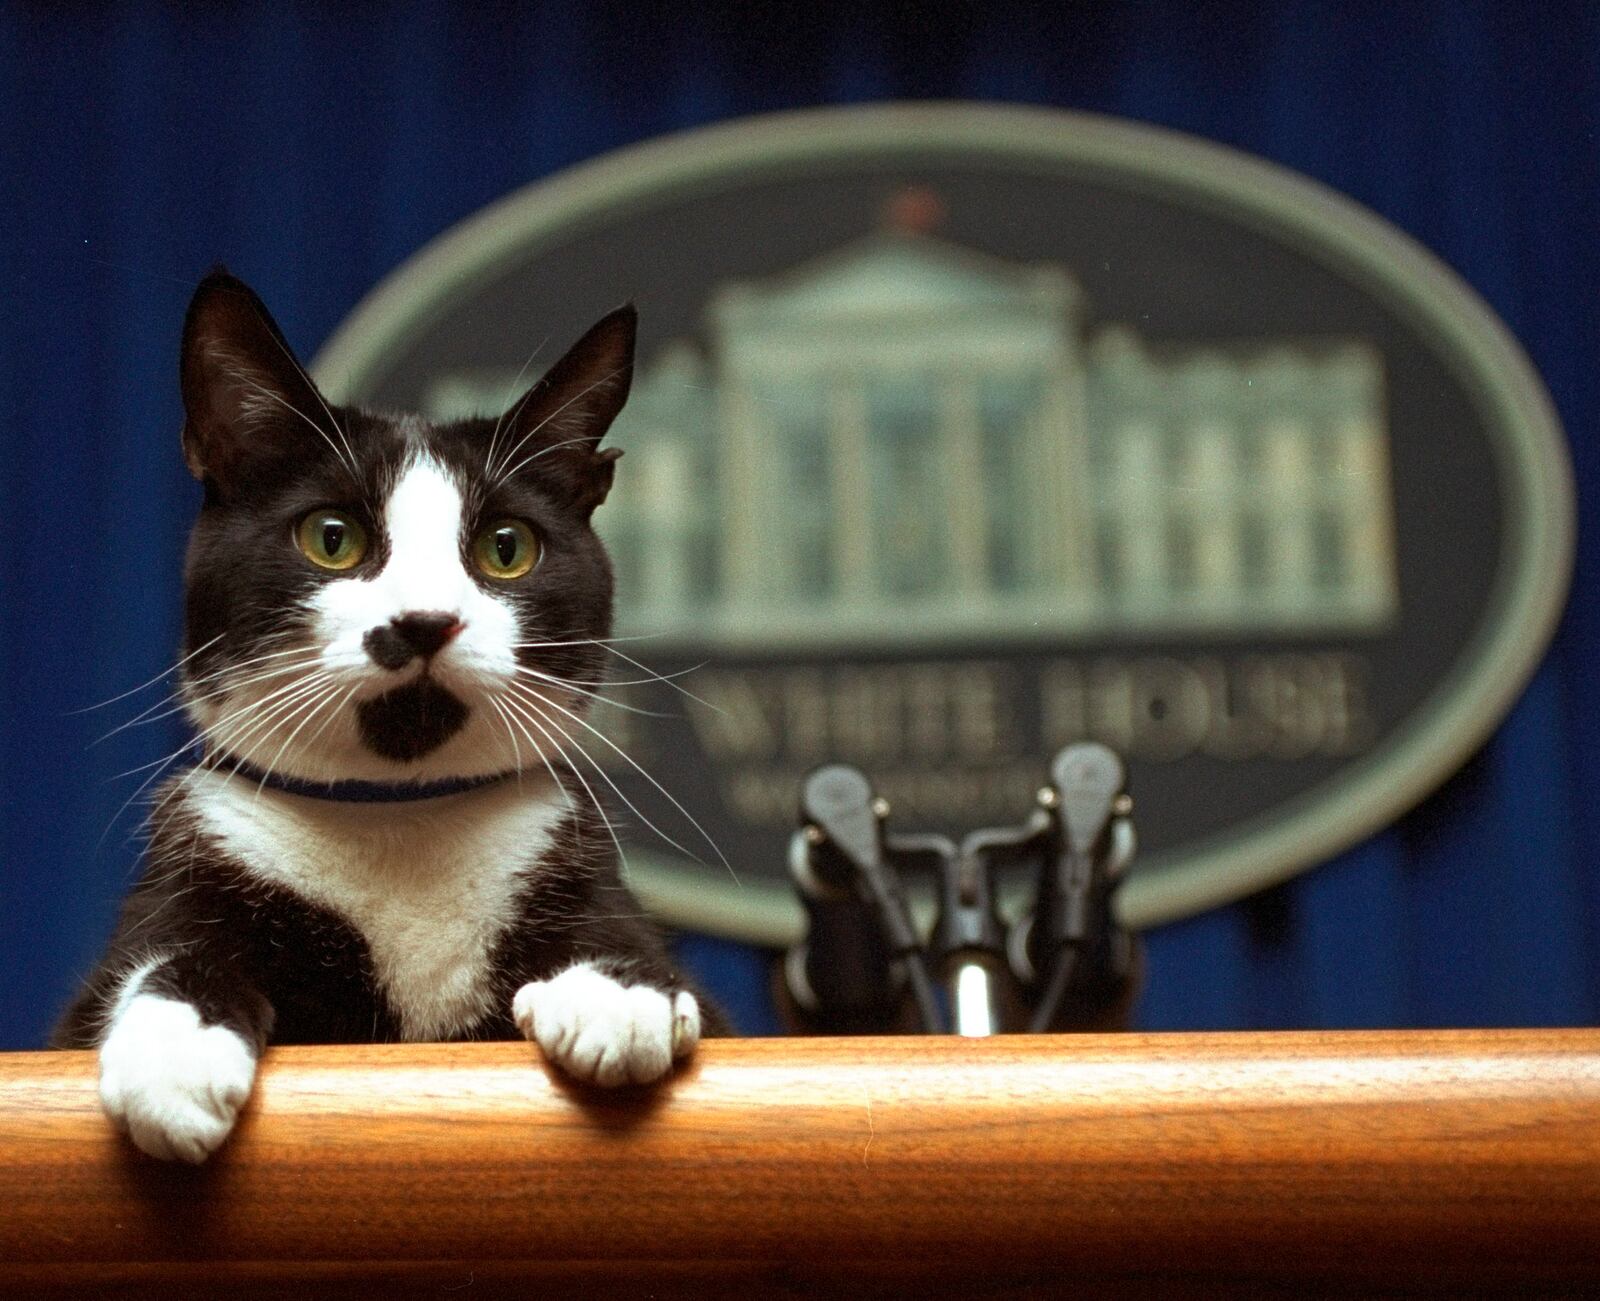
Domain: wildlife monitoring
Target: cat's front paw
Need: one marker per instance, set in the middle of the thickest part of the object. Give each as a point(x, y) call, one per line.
point(173, 1085)
point(598, 1030)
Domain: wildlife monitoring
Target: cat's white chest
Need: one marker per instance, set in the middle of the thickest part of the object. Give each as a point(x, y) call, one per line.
point(430, 886)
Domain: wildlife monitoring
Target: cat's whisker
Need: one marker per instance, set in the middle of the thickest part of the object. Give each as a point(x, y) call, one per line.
point(593, 798)
point(222, 691)
point(321, 702)
point(221, 683)
point(631, 682)
point(245, 731)
point(667, 679)
point(549, 767)
point(292, 714)
point(160, 766)
point(145, 686)
point(311, 741)
point(346, 460)
point(167, 796)
point(154, 763)
point(585, 641)
point(233, 739)
point(510, 413)
point(350, 456)
point(222, 671)
point(544, 757)
point(209, 765)
point(516, 746)
point(534, 700)
point(224, 688)
point(627, 758)
point(577, 397)
point(179, 702)
point(609, 644)
point(566, 685)
point(166, 707)
point(235, 666)
point(304, 680)
point(528, 705)
point(543, 451)
point(171, 697)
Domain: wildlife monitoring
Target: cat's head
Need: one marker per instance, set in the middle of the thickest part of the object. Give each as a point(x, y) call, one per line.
point(377, 597)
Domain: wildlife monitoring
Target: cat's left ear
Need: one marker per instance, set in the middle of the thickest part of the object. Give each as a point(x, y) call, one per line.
point(554, 430)
point(246, 398)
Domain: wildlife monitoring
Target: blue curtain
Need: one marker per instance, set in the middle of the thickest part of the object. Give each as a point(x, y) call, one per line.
point(313, 148)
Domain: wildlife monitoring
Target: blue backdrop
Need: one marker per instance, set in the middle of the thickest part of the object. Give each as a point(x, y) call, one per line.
point(313, 149)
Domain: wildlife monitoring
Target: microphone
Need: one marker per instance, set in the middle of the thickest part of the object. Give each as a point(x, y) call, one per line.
point(1094, 842)
point(841, 852)
point(840, 977)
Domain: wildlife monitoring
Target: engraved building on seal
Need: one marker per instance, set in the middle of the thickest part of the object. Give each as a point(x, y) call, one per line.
point(909, 442)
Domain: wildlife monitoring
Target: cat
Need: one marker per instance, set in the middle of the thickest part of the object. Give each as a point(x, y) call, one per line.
point(392, 629)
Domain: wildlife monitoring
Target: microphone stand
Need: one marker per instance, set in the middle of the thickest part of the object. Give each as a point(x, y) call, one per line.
point(864, 953)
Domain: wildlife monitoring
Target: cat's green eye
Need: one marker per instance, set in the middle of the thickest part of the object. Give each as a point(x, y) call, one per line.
point(330, 539)
point(506, 549)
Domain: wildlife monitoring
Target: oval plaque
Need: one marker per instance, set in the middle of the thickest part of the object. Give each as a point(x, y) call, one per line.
point(963, 432)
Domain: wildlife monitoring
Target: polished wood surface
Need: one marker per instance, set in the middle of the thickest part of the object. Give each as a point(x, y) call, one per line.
point(1348, 1158)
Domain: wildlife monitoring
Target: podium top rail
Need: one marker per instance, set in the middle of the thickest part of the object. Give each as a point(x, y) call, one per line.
point(1360, 1159)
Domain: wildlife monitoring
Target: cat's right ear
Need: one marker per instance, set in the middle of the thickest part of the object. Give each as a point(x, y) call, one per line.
point(245, 396)
point(557, 425)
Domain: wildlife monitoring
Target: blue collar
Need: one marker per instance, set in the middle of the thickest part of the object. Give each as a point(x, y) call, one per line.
point(358, 792)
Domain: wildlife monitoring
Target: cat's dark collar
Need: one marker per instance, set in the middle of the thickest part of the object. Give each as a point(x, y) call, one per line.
point(356, 792)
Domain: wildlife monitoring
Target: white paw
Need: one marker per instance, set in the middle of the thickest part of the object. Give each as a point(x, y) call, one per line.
point(172, 1085)
point(597, 1030)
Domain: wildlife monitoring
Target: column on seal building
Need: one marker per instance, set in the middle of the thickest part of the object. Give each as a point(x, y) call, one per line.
point(1062, 523)
point(1362, 498)
point(1207, 493)
point(1130, 411)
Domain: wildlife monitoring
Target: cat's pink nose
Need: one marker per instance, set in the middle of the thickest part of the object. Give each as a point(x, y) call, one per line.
point(418, 632)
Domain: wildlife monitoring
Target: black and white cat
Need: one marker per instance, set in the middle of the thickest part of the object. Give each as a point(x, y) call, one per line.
point(392, 630)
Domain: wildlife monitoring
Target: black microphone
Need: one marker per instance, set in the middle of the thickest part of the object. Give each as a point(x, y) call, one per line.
point(844, 843)
point(1094, 842)
point(840, 978)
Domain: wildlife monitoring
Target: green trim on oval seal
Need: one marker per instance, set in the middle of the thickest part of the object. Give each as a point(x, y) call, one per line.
point(1141, 181)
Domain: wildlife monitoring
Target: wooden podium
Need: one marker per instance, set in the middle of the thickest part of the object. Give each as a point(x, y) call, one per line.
point(1134, 1164)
